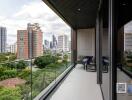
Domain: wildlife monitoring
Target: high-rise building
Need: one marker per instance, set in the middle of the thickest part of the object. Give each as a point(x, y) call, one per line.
point(3, 37)
point(62, 43)
point(29, 42)
point(46, 44)
point(128, 41)
point(22, 44)
point(13, 48)
point(35, 40)
point(8, 49)
point(51, 45)
point(54, 41)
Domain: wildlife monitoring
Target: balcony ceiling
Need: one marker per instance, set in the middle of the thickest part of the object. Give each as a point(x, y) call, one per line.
point(77, 13)
point(123, 12)
point(81, 14)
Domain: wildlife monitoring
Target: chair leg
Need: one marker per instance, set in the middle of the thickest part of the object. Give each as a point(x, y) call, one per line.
point(106, 68)
point(84, 66)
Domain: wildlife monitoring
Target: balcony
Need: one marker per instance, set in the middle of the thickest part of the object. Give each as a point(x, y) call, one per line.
point(97, 30)
point(78, 85)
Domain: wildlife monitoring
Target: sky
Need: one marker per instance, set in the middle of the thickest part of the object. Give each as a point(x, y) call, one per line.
point(15, 14)
point(128, 27)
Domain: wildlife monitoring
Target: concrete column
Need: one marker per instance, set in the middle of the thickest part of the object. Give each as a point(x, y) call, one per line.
point(73, 45)
point(120, 45)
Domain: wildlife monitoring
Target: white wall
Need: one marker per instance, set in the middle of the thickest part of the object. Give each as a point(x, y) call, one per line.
point(86, 42)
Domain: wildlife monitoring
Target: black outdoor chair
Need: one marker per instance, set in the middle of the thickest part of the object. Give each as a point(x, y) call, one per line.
point(87, 60)
point(84, 61)
point(105, 63)
point(90, 66)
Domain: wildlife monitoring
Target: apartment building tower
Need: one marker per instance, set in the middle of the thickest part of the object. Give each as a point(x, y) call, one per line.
point(54, 40)
point(3, 38)
point(13, 48)
point(128, 42)
point(22, 44)
point(29, 42)
point(62, 43)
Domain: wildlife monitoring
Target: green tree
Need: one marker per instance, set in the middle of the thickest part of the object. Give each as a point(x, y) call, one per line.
point(3, 58)
point(11, 65)
point(43, 61)
point(12, 57)
point(65, 58)
point(21, 64)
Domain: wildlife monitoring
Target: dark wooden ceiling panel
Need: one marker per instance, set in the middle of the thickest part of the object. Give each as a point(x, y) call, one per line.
point(78, 13)
point(82, 13)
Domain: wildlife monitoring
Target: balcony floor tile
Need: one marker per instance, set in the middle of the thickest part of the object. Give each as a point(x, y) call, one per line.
point(78, 85)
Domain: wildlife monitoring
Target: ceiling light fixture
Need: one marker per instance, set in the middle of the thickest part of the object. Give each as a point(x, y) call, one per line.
point(79, 9)
point(123, 4)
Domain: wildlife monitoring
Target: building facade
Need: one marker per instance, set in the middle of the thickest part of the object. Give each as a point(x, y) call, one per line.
point(128, 41)
point(22, 44)
point(46, 44)
point(29, 42)
point(54, 40)
point(13, 48)
point(35, 40)
point(63, 43)
point(3, 38)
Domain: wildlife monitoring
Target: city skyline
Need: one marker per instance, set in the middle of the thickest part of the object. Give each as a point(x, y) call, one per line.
point(30, 11)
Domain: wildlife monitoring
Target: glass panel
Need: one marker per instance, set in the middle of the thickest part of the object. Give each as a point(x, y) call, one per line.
point(49, 67)
point(105, 53)
point(124, 70)
point(128, 47)
point(105, 65)
point(29, 29)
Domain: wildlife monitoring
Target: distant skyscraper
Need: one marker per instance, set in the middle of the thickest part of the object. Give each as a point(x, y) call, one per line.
point(8, 48)
point(29, 42)
point(46, 44)
point(54, 41)
point(128, 41)
point(51, 45)
point(62, 43)
point(13, 48)
point(3, 37)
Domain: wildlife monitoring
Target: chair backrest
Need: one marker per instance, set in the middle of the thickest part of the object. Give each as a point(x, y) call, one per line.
point(90, 58)
point(105, 60)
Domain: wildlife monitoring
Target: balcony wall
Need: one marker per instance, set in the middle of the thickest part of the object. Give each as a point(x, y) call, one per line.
point(86, 42)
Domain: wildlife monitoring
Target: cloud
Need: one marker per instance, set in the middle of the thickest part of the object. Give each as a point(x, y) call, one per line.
point(40, 13)
point(2, 18)
point(34, 12)
point(128, 27)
